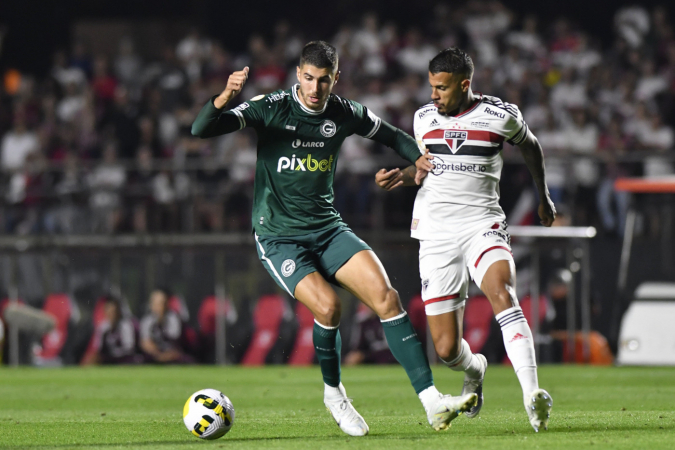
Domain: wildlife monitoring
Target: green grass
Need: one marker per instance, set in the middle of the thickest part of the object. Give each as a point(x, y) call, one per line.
point(281, 407)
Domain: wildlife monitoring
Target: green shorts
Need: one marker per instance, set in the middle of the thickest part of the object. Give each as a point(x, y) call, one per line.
point(289, 259)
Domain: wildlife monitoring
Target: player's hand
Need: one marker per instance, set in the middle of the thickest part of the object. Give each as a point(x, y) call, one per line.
point(547, 211)
point(423, 166)
point(235, 83)
point(389, 180)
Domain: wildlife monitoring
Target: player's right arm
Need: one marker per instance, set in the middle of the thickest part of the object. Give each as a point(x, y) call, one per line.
point(214, 119)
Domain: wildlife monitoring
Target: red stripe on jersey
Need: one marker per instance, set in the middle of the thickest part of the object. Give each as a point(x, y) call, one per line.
point(434, 134)
point(485, 136)
point(489, 249)
point(440, 299)
point(471, 135)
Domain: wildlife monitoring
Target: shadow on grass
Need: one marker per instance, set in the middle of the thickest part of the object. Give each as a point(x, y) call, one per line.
point(589, 428)
point(224, 440)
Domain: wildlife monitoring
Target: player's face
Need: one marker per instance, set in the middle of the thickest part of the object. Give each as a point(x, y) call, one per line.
point(448, 90)
point(316, 85)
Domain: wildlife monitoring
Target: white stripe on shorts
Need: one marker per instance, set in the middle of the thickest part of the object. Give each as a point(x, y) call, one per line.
point(276, 274)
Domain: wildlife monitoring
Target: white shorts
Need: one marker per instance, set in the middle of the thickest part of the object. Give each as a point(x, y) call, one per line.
point(446, 266)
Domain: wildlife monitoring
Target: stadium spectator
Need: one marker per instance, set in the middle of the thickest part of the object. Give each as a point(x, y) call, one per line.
point(161, 332)
point(115, 337)
point(17, 144)
point(90, 98)
point(105, 183)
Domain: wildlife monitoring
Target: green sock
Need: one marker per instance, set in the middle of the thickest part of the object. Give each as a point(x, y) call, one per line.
point(328, 345)
point(408, 351)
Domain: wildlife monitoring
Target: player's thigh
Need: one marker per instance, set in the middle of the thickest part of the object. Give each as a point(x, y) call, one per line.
point(287, 260)
point(484, 245)
point(335, 247)
point(444, 277)
point(364, 276)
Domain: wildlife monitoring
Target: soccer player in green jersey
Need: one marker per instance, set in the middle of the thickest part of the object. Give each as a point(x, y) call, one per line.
point(300, 237)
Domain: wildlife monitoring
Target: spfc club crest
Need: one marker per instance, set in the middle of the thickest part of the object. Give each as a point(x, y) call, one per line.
point(455, 139)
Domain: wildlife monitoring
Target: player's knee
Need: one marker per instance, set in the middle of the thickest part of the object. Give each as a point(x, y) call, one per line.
point(503, 298)
point(387, 304)
point(328, 313)
point(447, 348)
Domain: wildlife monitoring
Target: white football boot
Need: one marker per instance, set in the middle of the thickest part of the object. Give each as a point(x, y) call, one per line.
point(446, 408)
point(475, 386)
point(538, 406)
point(344, 413)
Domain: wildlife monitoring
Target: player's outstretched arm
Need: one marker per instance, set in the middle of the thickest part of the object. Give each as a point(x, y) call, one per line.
point(410, 176)
point(210, 121)
point(534, 159)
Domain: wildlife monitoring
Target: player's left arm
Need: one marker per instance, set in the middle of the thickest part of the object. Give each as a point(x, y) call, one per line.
point(372, 127)
point(534, 160)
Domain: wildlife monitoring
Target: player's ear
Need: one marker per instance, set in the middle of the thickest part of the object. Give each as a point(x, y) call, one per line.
point(466, 84)
point(337, 77)
point(297, 72)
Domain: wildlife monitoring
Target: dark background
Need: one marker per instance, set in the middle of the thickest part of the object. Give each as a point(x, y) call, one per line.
point(36, 28)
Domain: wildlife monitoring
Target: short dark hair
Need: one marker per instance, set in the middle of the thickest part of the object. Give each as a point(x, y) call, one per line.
point(319, 54)
point(452, 60)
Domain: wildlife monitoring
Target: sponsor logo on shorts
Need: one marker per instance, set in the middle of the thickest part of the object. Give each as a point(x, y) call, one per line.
point(498, 234)
point(287, 268)
point(414, 224)
point(441, 166)
point(425, 285)
point(328, 128)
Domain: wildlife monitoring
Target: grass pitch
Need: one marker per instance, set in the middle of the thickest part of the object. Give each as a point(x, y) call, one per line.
point(281, 407)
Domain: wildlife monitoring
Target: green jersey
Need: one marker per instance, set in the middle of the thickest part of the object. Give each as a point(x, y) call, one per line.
point(297, 154)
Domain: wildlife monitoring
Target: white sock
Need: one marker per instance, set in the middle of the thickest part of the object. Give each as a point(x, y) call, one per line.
point(520, 347)
point(334, 393)
point(429, 397)
point(465, 362)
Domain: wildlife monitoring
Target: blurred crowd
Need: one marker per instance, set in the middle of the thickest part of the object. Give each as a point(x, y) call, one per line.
point(102, 143)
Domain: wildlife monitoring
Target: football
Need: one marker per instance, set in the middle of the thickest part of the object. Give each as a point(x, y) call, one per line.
point(208, 414)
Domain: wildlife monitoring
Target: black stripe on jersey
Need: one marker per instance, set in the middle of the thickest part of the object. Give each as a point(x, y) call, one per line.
point(501, 106)
point(464, 150)
point(507, 106)
point(519, 137)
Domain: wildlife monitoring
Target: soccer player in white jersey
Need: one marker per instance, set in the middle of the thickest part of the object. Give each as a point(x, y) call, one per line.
point(462, 228)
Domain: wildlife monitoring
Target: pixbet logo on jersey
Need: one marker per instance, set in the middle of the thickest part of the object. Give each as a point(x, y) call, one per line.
point(455, 139)
point(305, 164)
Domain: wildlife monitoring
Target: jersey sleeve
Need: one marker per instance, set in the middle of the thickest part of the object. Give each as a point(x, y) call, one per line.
point(515, 127)
point(250, 113)
point(367, 122)
point(418, 133)
point(212, 121)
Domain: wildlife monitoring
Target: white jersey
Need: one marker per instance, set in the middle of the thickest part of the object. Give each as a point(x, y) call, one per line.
point(463, 186)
